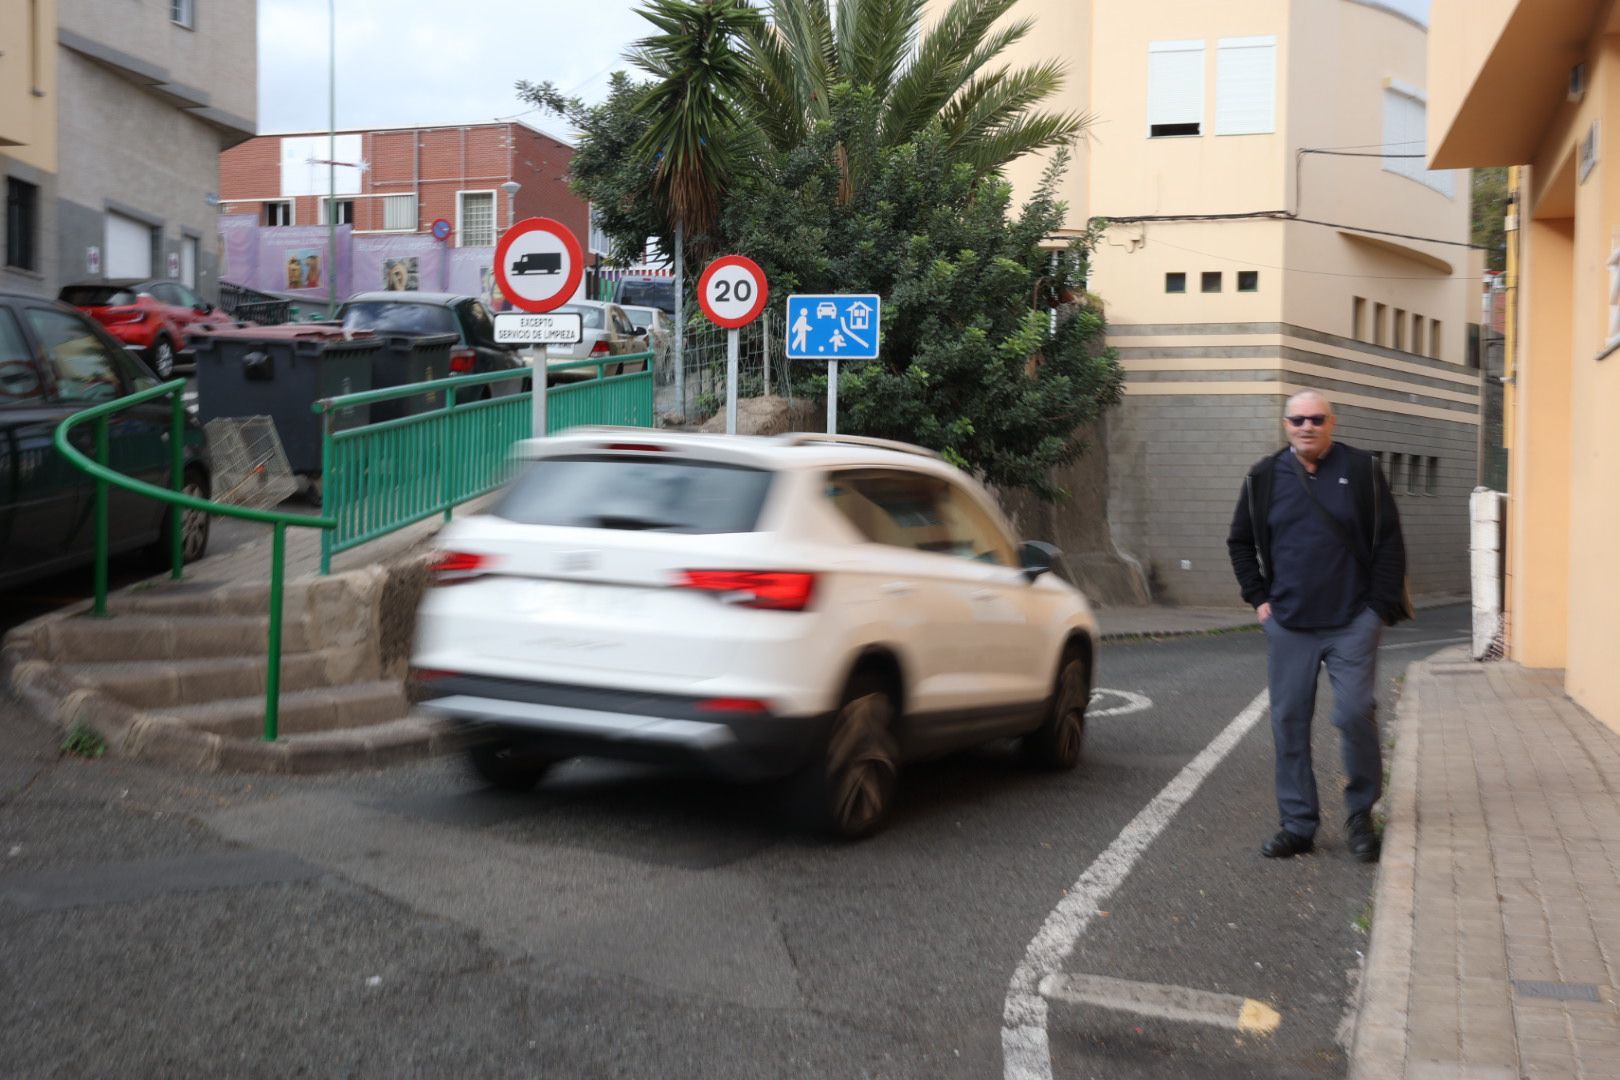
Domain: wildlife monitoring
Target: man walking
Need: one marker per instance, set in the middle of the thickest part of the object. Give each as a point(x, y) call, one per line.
point(1316, 546)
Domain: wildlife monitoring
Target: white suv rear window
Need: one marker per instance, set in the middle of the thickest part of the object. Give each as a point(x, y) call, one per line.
point(643, 493)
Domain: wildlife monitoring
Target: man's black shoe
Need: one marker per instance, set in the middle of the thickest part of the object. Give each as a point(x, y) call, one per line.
point(1285, 845)
point(1363, 838)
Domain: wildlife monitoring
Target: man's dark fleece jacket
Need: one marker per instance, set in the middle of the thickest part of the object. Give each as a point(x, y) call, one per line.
point(1330, 589)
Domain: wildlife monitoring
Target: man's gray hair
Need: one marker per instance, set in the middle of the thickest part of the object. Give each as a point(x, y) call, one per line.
point(1308, 392)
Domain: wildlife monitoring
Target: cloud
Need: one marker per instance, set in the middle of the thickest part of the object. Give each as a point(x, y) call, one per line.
point(403, 62)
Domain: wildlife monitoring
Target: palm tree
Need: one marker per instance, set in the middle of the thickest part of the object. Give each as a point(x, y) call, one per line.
point(987, 117)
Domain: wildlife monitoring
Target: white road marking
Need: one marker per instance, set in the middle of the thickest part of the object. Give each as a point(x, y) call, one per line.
point(1129, 702)
point(1183, 1003)
point(1026, 1054)
point(1431, 641)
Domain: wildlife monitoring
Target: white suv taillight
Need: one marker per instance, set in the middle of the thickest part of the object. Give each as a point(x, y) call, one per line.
point(771, 590)
point(455, 567)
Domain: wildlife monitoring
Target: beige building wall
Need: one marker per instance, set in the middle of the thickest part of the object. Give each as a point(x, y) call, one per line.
point(28, 82)
point(1510, 95)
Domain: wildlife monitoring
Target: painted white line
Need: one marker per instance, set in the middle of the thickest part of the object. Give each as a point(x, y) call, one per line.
point(1431, 641)
point(1181, 1003)
point(1025, 1052)
point(1129, 702)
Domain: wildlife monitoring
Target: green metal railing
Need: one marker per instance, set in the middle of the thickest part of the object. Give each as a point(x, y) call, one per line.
point(179, 502)
point(380, 477)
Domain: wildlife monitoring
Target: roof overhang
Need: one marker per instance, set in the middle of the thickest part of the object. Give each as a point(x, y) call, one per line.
point(1524, 80)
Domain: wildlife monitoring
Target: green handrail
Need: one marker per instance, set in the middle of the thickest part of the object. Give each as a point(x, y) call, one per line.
point(383, 476)
point(178, 501)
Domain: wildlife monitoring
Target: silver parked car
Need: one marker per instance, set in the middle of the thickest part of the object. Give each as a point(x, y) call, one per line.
point(607, 331)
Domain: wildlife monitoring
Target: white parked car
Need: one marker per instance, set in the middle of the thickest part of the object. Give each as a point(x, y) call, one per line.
point(814, 606)
point(607, 331)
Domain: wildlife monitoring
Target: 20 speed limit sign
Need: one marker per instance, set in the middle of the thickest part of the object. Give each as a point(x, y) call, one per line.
point(732, 291)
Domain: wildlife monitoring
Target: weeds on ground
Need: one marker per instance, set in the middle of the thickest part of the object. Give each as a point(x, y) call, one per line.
point(83, 741)
point(1362, 923)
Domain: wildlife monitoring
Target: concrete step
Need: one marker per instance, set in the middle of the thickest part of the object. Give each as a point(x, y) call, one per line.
point(86, 639)
point(300, 712)
point(163, 683)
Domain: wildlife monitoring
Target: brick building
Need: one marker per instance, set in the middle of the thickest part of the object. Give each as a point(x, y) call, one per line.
point(400, 180)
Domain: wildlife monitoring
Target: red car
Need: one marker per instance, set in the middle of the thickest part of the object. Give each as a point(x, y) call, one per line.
point(153, 316)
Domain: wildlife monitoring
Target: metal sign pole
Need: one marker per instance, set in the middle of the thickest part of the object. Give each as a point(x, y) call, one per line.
point(731, 382)
point(832, 397)
point(538, 381)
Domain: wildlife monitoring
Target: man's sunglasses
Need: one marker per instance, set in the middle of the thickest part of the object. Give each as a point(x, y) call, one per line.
point(1316, 419)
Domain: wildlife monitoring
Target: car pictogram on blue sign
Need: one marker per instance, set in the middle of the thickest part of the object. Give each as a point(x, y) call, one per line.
point(842, 326)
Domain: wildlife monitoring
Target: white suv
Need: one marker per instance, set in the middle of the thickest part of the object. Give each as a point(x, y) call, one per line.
point(809, 605)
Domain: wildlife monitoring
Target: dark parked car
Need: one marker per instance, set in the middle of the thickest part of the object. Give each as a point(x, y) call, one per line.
point(439, 313)
point(655, 292)
point(54, 362)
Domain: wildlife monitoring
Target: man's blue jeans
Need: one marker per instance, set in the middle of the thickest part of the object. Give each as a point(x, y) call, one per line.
point(1294, 657)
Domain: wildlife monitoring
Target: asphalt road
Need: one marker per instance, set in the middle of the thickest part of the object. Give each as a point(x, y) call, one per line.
point(637, 922)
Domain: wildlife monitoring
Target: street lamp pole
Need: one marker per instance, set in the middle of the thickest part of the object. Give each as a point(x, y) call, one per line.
point(511, 188)
point(331, 158)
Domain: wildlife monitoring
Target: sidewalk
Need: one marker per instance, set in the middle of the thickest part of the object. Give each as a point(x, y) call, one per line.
point(1495, 947)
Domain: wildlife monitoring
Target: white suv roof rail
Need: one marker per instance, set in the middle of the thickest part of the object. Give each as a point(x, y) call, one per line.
point(807, 438)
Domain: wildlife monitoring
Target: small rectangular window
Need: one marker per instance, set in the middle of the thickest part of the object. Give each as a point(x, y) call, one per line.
point(278, 213)
point(1175, 88)
point(1248, 281)
point(1432, 479)
point(1434, 338)
point(1378, 324)
point(345, 211)
point(1414, 474)
point(1175, 283)
point(1358, 318)
point(22, 224)
point(475, 213)
point(1394, 472)
point(1211, 281)
point(1417, 335)
point(183, 12)
point(399, 213)
point(1398, 329)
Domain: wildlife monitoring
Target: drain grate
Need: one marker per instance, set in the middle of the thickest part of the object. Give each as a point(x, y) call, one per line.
point(1556, 990)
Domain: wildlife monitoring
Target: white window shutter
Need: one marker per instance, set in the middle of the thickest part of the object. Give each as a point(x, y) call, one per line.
point(1246, 86)
point(1175, 83)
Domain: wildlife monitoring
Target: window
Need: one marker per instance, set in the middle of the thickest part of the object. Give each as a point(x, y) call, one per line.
point(1398, 329)
point(399, 213)
point(1210, 281)
point(920, 513)
point(19, 381)
point(278, 213)
point(1431, 484)
point(475, 219)
point(1378, 324)
point(1417, 335)
point(84, 367)
point(22, 224)
point(1358, 318)
point(1245, 86)
point(1434, 338)
point(1405, 141)
point(1248, 281)
point(1394, 473)
point(345, 211)
point(1175, 283)
point(183, 12)
point(1414, 473)
point(1175, 88)
point(651, 493)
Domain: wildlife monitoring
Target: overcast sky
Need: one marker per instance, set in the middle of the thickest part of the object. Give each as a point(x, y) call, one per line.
point(435, 62)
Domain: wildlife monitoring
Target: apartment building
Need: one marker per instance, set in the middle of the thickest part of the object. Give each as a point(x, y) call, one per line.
point(1530, 85)
point(150, 92)
point(1271, 225)
point(401, 180)
point(28, 144)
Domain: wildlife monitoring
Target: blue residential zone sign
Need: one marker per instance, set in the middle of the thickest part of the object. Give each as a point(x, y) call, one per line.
point(841, 326)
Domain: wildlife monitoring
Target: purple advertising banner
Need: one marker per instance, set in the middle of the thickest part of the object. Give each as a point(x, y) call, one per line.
point(293, 261)
point(400, 264)
point(239, 249)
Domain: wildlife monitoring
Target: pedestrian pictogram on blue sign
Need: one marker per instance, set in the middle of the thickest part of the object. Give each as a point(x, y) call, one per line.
point(838, 327)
